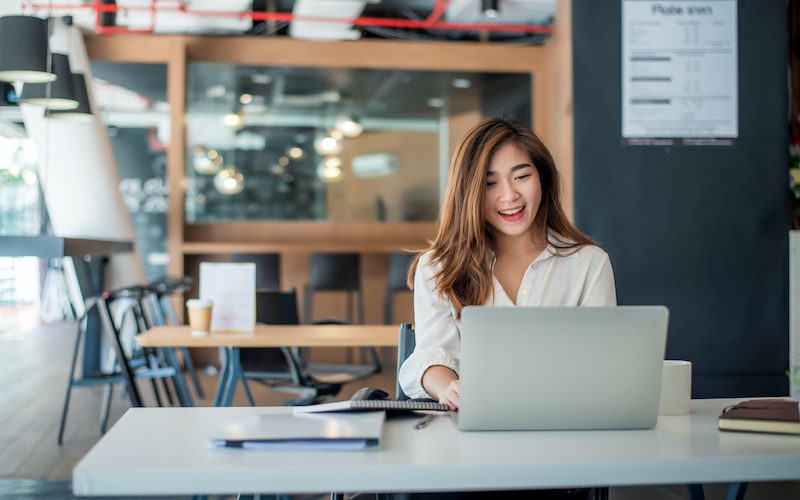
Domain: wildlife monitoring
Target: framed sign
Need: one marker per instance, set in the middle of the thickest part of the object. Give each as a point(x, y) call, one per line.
point(680, 72)
point(231, 288)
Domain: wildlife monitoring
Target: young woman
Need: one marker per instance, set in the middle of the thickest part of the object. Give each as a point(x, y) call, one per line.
point(503, 240)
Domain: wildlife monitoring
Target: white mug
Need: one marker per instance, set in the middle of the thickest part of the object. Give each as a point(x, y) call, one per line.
point(676, 388)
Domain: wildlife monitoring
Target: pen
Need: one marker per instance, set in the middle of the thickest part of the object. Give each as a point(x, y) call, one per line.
point(421, 423)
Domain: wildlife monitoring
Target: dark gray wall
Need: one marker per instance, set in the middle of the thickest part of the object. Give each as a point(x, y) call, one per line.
point(702, 230)
point(142, 174)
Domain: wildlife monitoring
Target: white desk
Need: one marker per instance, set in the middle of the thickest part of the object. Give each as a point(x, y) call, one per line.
point(165, 451)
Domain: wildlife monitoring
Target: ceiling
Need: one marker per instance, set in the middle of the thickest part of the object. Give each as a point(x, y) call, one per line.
point(349, 19)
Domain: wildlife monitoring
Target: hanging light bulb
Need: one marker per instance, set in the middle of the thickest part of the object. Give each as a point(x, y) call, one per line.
point(229, 181)
point(203, 163)
point(349, 126)
point(490, 8)
point(295, 152)
point(330, 169)
point(232, 120)
point(325, 145)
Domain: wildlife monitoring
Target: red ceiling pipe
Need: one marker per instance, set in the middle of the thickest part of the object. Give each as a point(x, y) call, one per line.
point(431, 22)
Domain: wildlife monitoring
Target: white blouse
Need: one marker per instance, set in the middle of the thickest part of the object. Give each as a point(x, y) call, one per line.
point(584, 278)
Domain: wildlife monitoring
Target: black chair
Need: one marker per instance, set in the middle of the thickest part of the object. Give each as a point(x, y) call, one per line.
point(339, 272)
point(398, 274)
point(120, 375)
point(125, 367)
point(159, 297)
point(268, 268)
point(280, 368)
point(336, 272)
point(405, 346)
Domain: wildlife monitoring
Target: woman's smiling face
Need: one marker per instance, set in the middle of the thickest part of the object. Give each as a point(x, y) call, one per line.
point(513, 191)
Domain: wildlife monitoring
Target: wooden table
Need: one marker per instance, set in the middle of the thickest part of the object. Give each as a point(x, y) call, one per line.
point(276, 336)
point(165, 451)
point(267, 336)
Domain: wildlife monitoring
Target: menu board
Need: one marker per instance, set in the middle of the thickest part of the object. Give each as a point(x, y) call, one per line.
point(231, 288)
point(679, 72)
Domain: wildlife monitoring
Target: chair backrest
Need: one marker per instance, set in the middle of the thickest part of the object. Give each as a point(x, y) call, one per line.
point(268, 268)
point(273, 307)
point(398, 273)
point(405, 346)
point(398, 270)
point(335, 272)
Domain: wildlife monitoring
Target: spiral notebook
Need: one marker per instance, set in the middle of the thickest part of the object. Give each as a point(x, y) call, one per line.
point(389, 405)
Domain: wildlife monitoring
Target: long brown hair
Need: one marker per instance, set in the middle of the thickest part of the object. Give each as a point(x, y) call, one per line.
point(464, 242)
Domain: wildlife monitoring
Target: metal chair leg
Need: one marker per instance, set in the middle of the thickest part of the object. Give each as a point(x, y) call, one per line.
point(236, 375)
point(113, 334)
point(63, 422)
point(181, 391)
point(108, 390)
point(601, 493)
point(189, 366)
point(247, 392)
point(695, 492)
point(736, 491)
point(157, 396)
point(222, 381)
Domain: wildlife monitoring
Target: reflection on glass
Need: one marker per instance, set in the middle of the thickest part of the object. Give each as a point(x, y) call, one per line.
point(347, 145)
point(132, 100)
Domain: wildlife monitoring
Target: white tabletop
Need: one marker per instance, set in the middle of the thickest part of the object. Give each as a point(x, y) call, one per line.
point(165, 451)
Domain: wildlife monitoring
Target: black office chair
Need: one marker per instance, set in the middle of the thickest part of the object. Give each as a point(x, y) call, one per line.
point(339, 272)
point(405, 346)
point(336, 272)
point(280, 368)
point(268, 268)
point(398, 274)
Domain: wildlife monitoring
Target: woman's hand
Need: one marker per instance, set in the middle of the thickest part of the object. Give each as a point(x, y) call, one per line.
point(442, 384)
point(451, 395)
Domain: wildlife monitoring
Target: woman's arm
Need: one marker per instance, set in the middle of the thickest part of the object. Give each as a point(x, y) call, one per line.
point(437, 339)
point(442, 384)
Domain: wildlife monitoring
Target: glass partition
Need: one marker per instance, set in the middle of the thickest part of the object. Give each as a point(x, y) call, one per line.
point(344, 145)
point(132, 100)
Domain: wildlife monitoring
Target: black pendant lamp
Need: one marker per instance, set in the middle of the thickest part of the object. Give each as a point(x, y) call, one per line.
point(23, 58)
point(83, 113)
point(57, 94)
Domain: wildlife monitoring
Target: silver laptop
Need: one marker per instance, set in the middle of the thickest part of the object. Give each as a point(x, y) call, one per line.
point(534, 368)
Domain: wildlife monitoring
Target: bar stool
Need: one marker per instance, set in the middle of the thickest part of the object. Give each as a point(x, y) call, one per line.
point(97, 304)
point(123, 303)
point(163, 313)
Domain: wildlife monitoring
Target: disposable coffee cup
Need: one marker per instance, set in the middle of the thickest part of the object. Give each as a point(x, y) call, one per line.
point(199, 316)
point(676, 388)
